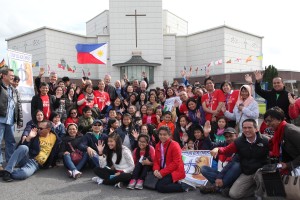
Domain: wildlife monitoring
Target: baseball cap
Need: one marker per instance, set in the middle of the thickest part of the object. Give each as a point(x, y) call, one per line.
point(230, 130)
point(98, 121)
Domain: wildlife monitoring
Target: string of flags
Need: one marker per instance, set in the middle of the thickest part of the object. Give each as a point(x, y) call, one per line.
point(220, 62)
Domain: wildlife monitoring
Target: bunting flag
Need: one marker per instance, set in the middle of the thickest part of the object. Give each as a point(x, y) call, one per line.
point(219, 62)
point(70, 69)
point(259, 57)
point(229, 61)
point(191, 68)
point(92, 53)
point(196, 70)
point(249, 59)
point(210, 64)
point(48, 69)
point(238, 59)
point(61, 66)
point(2, 63)
point(184, 68)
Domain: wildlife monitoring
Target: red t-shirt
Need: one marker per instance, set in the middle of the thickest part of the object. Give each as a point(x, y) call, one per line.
point(231, 99)
point(102, 98)
point(86, 103)
point(142, 153)
point(70, 120)
point(183, 109)
point(212, 101)
point(46, 106)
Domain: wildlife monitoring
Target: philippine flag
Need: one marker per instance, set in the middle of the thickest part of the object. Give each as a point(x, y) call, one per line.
point(92, 53)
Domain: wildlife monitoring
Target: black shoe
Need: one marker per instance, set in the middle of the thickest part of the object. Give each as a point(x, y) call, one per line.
point(7, 177)
point(2, 173)
point(208, 189)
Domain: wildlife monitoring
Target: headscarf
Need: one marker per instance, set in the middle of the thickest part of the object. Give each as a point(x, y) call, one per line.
point(249, 100)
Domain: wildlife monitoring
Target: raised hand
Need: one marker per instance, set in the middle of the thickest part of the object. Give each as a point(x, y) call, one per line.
point(32, 133)
point(207, 128)
point(223, 109)
point(185, 138)
point(42, 71)
point(248, 78)
point(100, 146)
point(258, 75)
point(107, 103)
point(189, 125)
point(292, 100)
point(144, 74)
point(198, 114)
point(182, 73)
point(135, 134)
point(176, 103)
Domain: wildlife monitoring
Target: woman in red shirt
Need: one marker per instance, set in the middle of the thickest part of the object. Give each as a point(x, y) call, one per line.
point(86, 98)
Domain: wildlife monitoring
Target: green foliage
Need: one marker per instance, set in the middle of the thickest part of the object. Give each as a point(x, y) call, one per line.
point(270, 73)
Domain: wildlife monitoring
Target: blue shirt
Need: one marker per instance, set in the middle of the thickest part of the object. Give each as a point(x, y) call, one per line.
point(9, 118)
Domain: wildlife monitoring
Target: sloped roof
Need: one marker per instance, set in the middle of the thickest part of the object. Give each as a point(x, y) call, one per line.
point(136, 60)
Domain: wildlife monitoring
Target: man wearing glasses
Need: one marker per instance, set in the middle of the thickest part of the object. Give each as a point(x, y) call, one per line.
point(37, 151)
point(10, 113)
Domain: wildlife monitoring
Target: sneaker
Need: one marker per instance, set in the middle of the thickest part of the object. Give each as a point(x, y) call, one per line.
point(139, 184)
point(76, 174)
point(131, 184)
point(97, 180)
point(186, 186)
point(7, 177)
point(119, 185)
point(69, 173)
point(208, 189)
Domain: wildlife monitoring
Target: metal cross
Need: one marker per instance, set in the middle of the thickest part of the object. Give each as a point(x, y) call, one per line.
point(135, 15)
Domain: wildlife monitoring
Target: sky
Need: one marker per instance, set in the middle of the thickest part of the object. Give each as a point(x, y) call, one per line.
point(275, 20)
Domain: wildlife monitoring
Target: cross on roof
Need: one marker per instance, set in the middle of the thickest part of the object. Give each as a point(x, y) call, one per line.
point(135, 15)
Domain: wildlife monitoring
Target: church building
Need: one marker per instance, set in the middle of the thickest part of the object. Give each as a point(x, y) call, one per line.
point(142, 37)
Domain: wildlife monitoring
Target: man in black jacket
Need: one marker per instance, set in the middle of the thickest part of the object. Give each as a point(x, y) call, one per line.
point(38, 150)
point(10, 113)
point(253, 151)
point(278, 96)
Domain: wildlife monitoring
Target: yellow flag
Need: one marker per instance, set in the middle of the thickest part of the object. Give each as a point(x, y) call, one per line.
point(260, 57)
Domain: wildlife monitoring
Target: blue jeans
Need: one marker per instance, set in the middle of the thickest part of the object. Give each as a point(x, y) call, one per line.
point(228, 179)
point(7, 132)
point(68, 163)
point(94, 161)
point(27, 166)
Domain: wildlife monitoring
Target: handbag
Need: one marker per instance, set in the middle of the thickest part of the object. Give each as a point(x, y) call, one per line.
point(291, 185)
point(76, 155)
point(150, 179)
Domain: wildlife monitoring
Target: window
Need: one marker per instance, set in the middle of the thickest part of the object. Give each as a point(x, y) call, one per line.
point(135, 72)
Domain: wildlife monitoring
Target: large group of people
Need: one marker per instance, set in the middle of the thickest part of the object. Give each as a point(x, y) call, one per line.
point(125, 130)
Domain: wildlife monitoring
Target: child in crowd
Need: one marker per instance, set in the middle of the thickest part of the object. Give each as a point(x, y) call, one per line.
point(150, 118)
point(116, 165)
point(218, 136)
point(143, 157)
point(182, 130)
point(57, 126)
point(167, 122)
point(200, 142)
point(189, 145)
point(85, 121)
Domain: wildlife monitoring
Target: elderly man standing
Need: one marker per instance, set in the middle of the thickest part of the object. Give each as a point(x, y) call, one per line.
point(110, 89)
point(10, 113)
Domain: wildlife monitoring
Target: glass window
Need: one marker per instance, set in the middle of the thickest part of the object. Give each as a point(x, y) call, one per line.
point(135, 72)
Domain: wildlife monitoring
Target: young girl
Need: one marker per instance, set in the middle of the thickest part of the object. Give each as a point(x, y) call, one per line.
point(143, 157)
point(150, 118)
point(219, 135)
point(69, 141)
point(116, 163)
point(168, 122)
point(189, 145)
point(182, 131)
point(200, 143)
point(57, 126)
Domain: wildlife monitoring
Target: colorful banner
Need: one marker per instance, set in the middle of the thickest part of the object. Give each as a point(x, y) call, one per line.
point(193, 161)
point(21, 63)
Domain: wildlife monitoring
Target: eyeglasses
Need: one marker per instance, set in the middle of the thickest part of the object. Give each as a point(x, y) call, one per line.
point(142, 142)
point(40, 128)
point(73, 112)
point(97, 125)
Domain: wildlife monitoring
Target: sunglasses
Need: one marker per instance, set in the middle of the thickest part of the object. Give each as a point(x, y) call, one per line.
point(40, 128)
point(97, 125)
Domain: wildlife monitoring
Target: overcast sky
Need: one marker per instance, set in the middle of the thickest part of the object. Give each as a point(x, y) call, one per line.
point(275, 20)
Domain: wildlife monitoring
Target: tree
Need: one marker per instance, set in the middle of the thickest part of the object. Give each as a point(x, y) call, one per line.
point(270, 73)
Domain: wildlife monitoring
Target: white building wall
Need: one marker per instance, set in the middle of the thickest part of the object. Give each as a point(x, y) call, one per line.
point(99, 25)
point(174, 24)
point(180, 54)
point(149, 28)
point(242, 45)
point(169, 58)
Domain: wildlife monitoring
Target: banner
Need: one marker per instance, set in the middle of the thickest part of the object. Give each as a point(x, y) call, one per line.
point(193, 161)
point(21, 63)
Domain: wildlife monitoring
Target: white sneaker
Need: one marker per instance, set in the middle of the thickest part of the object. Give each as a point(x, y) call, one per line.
point(76, 174)
point(97, 180)
point(70, 173)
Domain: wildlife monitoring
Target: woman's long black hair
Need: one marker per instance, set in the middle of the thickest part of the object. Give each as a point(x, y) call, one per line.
point(116, 137)
point(147, 150)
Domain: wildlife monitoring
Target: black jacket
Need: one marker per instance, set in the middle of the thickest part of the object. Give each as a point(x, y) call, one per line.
point(271, 98)
point(89, 140)
point(252, 156)
point(37, 103)
point(18, 115)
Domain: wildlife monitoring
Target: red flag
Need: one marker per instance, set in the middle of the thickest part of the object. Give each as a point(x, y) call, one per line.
point(61, 66)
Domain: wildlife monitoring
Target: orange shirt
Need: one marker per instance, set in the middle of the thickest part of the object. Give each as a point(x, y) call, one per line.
point(168, 124)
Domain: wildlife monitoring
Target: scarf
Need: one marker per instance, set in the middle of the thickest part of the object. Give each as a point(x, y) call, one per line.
point(220, 131)
point(90, 97)
point(56, 125)
point(276, 140)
